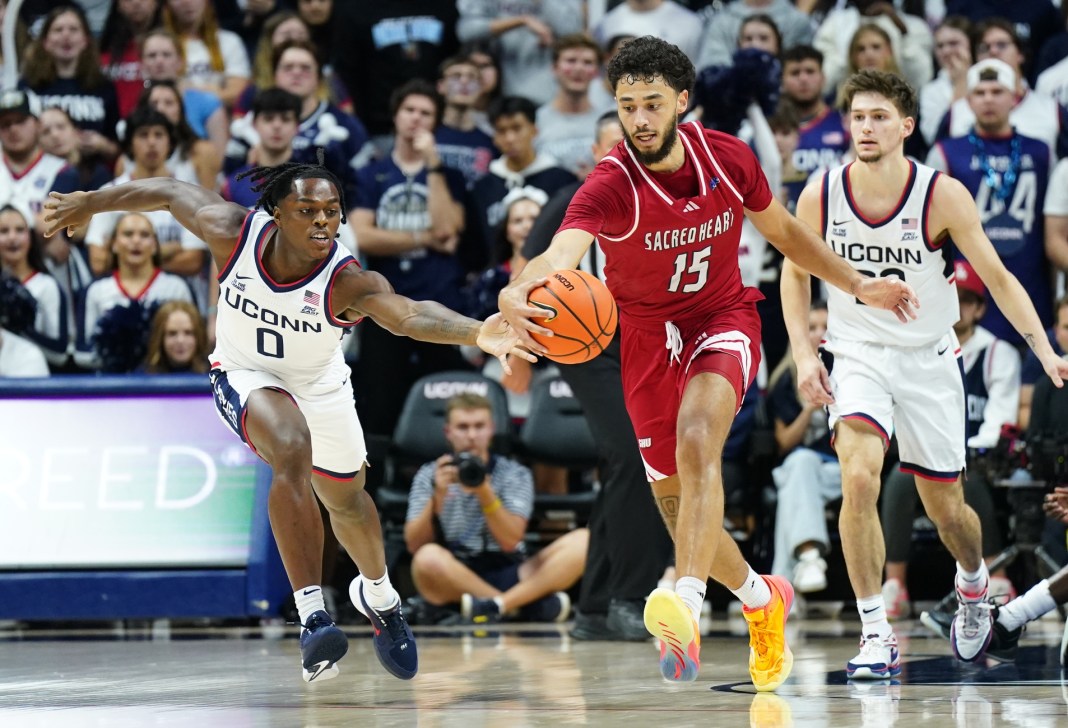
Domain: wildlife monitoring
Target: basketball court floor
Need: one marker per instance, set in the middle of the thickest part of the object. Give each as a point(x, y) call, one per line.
point(155, 674)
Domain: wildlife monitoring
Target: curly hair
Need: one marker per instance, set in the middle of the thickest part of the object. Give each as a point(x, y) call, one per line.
point(894, 88)
point(275, 183)
point(646, 59)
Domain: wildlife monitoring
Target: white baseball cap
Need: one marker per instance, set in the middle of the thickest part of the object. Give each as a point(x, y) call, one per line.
point(992, 69)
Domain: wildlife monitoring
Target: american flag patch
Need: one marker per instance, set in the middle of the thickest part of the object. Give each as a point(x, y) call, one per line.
point(908, 223)
point(312, 298)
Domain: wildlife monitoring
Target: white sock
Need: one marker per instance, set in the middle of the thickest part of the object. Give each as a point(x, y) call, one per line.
point(872, 612)
point(973, 584)
point(379, 593)
point(309, 600)
point(500, 603)
point(754, 592)
point(1032, 605)
point(692, 592)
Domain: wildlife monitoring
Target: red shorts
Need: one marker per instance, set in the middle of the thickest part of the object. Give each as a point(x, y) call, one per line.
point(657, 366)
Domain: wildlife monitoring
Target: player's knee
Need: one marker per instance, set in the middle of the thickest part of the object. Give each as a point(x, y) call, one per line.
point(696, 446)
point(860, 487)
point(289, 447)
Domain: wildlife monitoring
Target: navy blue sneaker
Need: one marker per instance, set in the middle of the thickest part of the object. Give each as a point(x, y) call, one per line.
point(394, 642)
point(322, 644)
point(552, 608)
point(479, 611)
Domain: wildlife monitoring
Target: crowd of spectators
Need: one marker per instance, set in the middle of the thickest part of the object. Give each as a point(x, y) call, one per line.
point(451, 124)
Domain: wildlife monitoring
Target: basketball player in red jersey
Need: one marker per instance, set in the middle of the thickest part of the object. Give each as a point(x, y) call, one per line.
point(666, 205)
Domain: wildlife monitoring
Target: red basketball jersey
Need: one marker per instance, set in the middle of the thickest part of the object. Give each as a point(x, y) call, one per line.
point(671, 240)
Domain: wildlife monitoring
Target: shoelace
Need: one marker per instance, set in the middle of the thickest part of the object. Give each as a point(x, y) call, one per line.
point(972, 613)
point(762, 638)
point(315, 622)
point(871, 643)
point(393, 621)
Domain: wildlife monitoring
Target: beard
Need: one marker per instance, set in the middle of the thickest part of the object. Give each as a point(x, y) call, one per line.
point(869, 156)
point(670, 135)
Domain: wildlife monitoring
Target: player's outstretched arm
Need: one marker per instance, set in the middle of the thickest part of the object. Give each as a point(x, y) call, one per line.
point(953, 212)
point(565, 251)
point(799, 243)
point(795, 286)
point(203, 212)
point(366, 293)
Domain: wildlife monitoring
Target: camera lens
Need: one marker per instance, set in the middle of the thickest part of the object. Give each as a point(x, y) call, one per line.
point(471, 469)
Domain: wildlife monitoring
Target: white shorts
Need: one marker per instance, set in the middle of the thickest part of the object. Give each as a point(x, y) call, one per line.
point(917, 391)
point(338, 446)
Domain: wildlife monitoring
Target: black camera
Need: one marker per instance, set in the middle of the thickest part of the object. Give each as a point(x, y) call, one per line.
point(472, 469)
point(1049, 458)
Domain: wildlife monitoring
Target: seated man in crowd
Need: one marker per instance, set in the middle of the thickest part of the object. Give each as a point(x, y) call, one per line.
point(465, 529)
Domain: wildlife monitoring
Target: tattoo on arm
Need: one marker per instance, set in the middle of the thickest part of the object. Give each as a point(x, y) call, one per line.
point(432, 327)
point(1030, 339)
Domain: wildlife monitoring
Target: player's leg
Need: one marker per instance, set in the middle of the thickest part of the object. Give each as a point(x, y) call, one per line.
point(278, 432)
point(958, 527)
point(930, 412)
point(338, 476)
point(897, 513)
point(441, 578)
point(860, 448)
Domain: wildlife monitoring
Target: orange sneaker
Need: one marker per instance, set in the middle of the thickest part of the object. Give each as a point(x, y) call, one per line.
point(770, 659)
point(669, 620)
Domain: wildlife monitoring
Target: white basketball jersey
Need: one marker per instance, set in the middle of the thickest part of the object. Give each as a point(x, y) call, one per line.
point(35, 182)
point(285, 329)
point(895, 245)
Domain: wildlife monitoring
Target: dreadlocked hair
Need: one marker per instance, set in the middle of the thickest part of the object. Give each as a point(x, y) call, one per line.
point(274, 183)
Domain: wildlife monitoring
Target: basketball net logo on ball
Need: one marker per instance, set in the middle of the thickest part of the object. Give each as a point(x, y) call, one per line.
point(579, 311)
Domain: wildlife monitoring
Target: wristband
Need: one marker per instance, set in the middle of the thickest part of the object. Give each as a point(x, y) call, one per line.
point(439, 169)
point(492, 507)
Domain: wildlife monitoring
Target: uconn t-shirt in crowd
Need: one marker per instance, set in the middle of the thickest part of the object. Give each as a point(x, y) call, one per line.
point(821, 143)
point(90, 109)
point(399, 202)
point(1014, 222)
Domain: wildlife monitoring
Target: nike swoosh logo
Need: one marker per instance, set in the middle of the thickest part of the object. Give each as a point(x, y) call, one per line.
point(869, 611)
point(318, 669)
point(943, 351)
point(841, 222)
point(249, 278)
point(310, 591)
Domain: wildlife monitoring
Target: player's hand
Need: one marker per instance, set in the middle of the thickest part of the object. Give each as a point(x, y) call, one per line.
point(497, 338)
point(66, 211)
point(889, 293)
point(518, 382)
point(814, 382)
point(1055, 366)
point(513, 305)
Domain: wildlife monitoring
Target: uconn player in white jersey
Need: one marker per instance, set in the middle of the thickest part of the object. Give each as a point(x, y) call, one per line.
point(280, 383)
point(889, 216)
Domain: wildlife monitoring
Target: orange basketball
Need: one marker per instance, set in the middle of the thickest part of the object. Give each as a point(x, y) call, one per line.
point(581, 313)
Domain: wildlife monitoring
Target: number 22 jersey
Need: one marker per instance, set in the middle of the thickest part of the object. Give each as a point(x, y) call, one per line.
point(284, 329)
point(896, 245)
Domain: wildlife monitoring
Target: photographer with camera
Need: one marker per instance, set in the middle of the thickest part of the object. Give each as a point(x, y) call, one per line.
point(467, 518)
